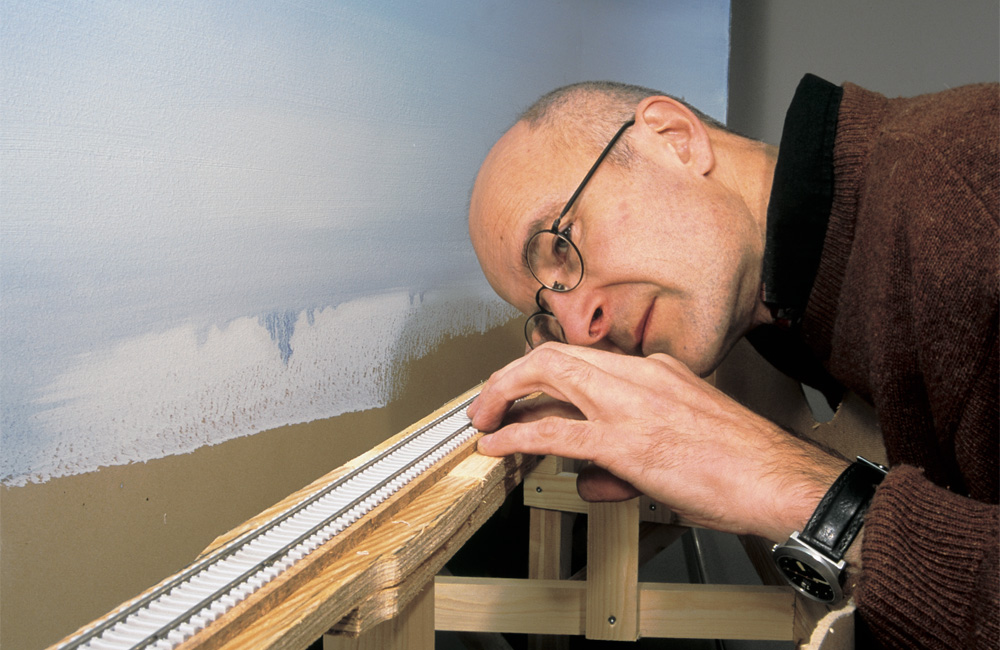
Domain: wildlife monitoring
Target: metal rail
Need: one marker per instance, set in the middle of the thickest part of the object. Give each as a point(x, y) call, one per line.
point(241, 543)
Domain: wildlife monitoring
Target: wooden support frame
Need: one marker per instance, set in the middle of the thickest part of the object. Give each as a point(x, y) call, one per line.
point(611, 604)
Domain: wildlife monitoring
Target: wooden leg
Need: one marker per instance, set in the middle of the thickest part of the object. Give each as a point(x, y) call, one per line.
point(413, 629)
point(549, 544)
point(613, 571)
point(550, 532)
point(549, 553)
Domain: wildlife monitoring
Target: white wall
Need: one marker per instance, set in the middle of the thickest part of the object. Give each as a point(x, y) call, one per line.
point(219, 217)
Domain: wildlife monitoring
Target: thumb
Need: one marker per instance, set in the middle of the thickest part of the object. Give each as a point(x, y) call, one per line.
point(594, 483)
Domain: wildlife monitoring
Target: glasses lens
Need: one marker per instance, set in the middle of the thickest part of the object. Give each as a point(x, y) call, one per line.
point(542, 328)
point(555, 261)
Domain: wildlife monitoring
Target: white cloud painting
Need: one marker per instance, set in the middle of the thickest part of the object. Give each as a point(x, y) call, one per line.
point(219, 217)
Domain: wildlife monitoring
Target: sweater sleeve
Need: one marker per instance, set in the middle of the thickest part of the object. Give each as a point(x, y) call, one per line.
point(930, 572)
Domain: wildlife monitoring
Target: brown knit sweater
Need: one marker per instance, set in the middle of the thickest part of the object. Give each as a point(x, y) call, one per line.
point(904, 311)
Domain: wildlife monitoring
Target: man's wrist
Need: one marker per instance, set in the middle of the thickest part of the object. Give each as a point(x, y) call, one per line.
point(811, 478)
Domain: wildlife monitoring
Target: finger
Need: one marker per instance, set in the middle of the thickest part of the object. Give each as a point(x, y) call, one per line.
point(488, 392)
point(579, 362)
point(537, 408)
point(566, 438)
point(558, 370)
point(590, 379)
point(517, 379)
point(595, 483)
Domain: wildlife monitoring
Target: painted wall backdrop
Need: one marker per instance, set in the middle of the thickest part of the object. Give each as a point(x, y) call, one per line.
point(219, 217)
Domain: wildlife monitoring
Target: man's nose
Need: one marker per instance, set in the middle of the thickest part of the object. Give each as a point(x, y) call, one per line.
point(581, 314)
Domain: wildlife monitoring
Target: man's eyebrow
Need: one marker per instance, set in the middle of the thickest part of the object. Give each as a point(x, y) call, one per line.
point(546, 216)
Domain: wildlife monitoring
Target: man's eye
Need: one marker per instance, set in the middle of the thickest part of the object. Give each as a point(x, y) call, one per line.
point(560, 249)
point(561, 245)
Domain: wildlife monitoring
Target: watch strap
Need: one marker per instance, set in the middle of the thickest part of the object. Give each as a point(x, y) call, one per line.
point(840, 514)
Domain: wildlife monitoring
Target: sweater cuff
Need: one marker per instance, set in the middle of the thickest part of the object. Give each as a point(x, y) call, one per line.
point(929, 566)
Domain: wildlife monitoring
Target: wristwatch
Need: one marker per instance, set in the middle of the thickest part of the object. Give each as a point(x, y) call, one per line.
point(812, 560)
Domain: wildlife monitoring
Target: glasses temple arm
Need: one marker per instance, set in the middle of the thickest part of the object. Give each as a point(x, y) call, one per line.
point(597, 163)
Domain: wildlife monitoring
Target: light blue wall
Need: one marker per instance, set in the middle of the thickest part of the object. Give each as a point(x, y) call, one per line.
point(217, 216)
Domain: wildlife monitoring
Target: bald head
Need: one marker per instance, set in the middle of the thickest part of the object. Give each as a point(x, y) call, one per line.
point(589, 110)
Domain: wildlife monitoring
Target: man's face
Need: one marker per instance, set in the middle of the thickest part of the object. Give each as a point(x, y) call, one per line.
point(671, 257)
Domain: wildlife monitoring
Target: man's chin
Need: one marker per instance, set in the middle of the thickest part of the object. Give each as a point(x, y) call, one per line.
point(703, 367)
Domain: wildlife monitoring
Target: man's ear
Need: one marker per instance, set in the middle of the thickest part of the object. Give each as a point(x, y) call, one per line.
point(677, 127)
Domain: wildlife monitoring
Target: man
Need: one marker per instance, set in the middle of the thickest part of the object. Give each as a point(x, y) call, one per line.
point(863, 253)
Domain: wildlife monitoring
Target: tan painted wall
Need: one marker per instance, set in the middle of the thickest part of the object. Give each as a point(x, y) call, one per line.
point(73, 548)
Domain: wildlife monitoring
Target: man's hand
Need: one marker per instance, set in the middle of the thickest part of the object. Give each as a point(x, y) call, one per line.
point(660, 430)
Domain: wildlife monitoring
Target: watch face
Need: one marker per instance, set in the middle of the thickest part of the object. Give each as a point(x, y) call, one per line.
point(806, 578)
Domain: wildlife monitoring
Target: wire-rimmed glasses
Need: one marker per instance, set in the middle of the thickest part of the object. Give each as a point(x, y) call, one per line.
point(556, 262)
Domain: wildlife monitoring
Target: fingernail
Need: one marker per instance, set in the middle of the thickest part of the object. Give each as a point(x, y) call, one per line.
point(483, 446)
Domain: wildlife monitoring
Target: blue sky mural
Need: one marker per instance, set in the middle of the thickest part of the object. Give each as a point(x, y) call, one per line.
point(218, 217)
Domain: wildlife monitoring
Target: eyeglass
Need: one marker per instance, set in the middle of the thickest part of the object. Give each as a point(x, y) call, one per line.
point(556, 262)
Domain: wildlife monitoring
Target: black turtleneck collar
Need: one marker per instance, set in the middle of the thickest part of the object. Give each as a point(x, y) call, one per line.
point(797, 216)
point(801, 196)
